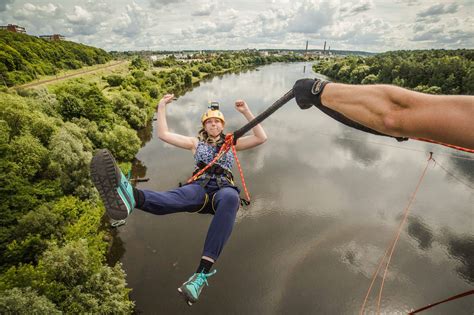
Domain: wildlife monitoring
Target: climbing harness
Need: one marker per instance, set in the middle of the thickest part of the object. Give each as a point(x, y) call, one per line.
point(228, 144)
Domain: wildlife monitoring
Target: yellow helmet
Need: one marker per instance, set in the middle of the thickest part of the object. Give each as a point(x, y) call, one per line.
point(212, 113)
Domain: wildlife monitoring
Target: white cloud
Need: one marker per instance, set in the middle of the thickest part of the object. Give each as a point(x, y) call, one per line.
point(80, 16)
point(159, 4)
point(132, 22)
point(449, 33)
point(312, 16)
point(29, 11)
point(205, 9)
point(439, 9)
point(370, 25)
point(5, 4)
point(408, 2)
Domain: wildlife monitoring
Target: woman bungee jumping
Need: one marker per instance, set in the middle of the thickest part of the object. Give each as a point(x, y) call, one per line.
point(213, 192)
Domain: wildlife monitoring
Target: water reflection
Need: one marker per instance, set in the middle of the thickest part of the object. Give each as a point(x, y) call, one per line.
point(138, 169)
point(461, 247)
point(359, 149)
point(464, 167)
point(324, 210)
point(421, 232)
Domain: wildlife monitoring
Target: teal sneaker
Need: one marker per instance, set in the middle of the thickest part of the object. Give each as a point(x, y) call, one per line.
point(191, 289)
point(114, 188)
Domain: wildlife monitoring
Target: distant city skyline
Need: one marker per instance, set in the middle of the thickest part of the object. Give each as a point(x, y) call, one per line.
point(363, 25)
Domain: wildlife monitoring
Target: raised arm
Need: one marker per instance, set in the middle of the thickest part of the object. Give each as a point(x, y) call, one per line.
point(399, 112)
point(180, 141)
point(259, 136)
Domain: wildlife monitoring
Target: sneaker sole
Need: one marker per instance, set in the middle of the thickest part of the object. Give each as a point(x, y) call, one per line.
point(106, 177)
point(185, 297)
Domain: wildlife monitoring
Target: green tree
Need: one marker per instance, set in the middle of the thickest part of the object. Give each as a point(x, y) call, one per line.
point(26, 301)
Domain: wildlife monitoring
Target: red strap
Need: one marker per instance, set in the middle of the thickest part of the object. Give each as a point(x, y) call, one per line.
point(446, 144)
point(247, 195)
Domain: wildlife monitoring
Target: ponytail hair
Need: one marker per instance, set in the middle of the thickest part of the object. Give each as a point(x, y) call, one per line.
point(204, 137)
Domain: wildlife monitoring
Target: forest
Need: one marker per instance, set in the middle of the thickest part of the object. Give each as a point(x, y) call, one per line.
point(429, 71)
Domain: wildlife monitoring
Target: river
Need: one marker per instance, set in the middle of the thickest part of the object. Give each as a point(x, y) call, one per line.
point(326, 202)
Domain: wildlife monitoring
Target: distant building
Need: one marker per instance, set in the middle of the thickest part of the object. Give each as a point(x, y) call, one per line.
point(53, 38)
point(13, 28)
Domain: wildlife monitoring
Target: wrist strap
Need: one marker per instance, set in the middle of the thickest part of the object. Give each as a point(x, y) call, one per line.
point(318, 86)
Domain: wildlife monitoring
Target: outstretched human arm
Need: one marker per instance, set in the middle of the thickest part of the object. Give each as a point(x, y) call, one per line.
point(180, 141)
point(259, 136)
point(397, 111)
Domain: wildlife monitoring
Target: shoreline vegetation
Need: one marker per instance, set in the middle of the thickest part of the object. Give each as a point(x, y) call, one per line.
point(54, 237)
point(428, 71)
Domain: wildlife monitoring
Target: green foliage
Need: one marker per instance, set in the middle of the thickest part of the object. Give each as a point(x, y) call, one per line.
point(154, 92)
point(370, 79)
point(114, 80)
point(70, 154)
point(188, 79)
point(138, 63)
point(428, 71)
point(428, 89)
point(74, 279)
point(29, 154)
point(122, 142)
point(135, 117)
point(23, 57)
point(78, 99)
point(26, 301)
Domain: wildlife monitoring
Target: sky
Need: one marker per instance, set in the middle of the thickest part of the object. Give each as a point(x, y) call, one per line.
point(365, 25)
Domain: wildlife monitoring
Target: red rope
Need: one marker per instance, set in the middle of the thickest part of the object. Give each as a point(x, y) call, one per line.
point(247, 195)
point(393, 244)
point(443, 301)
point(445, 144)
point(228, 144)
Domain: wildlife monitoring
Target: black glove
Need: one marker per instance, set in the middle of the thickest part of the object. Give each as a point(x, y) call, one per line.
point(308, 92)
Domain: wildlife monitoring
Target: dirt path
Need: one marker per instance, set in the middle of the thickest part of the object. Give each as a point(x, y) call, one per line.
point(29, 85)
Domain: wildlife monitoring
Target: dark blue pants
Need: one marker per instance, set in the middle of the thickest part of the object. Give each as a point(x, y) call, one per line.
point(222, 202)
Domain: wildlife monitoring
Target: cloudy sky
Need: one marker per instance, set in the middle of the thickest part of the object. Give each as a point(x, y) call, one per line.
point(368, 25)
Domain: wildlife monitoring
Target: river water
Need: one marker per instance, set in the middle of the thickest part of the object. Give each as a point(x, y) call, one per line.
point(326, 202)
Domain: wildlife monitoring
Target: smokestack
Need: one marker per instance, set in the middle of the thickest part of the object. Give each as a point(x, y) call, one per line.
point(324, 50)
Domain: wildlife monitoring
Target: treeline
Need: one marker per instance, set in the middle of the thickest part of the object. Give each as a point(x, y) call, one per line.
point(207, 63)
point(23, 57)
point(53, 236)
point(147, 77)
point(429, 71)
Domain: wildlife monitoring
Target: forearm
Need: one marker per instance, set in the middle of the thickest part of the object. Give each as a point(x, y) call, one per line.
point(258, 129)
point(162, 127)
point(367, 105)
point(403, 113)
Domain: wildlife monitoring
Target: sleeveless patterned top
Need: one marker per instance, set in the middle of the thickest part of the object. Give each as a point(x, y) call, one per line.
point(206, 153)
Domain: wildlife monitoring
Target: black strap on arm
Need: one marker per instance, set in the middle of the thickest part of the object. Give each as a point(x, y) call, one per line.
point(346, 121)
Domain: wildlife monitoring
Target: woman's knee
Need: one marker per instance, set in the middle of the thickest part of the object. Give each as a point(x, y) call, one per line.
point(228, 197)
